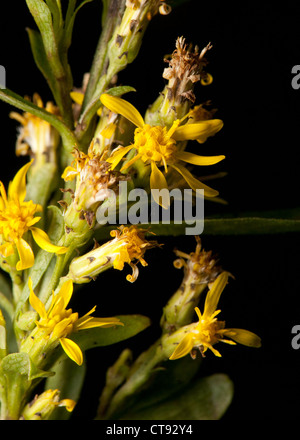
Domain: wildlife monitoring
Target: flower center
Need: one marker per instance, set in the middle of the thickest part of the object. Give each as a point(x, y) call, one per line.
point(132, 246)
point(16, 219)
point(207, 332)
point(154, 144)
point(60, 324)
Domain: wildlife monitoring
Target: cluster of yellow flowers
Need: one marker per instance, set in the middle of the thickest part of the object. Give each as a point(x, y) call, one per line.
point(125, 146)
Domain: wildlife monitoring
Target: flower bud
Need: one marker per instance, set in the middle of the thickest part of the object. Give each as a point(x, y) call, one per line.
point(43, 405)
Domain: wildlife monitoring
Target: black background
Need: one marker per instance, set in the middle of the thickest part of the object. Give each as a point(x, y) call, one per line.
point(255, 46)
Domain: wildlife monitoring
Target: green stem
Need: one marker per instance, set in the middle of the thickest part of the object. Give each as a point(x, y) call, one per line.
point(141, 371)
point(99, 62)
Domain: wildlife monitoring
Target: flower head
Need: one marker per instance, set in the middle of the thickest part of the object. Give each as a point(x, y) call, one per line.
point(58, 322)
point(200, 265)
point(131, 246)
point(37, 137)
point(208, 330)
point(93, 179)
point(157, 147)
point(128, 246)
point(43, 405)
point(185, 69)
point(17, 217)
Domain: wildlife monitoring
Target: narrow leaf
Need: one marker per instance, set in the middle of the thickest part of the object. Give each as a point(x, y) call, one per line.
point(40, 58)
point(100, 337)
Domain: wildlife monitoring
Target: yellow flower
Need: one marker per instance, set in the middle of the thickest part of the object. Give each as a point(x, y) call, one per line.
point(128, 246)
point(208, 330)
point(57, 322)
point(17, 216)
point(156, 145)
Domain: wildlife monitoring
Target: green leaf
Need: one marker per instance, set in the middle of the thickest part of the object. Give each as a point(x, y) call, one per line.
point(100, 337)
point(19, 364)
point(204, 399)
point(257, 223)
point(43, 18)
point(40, 58)
point(55, 9)
point(250, 226)
point(168, 380)
point(233, 226)
point(51, 28)
point(120, 90)
point(68, 379)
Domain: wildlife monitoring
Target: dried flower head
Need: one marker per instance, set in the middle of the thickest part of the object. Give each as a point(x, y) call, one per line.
point(94, 179)
point(185, 69)
point(37, 138)
point(200, 265)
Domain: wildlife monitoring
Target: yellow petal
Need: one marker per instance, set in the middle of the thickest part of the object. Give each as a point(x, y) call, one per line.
point(109, 130)
point(66, 292)
point(77, 97)
point(56, 308)
point(91, 322)
point(43, 241)
point(68, 403)
point(213, 295)
point(18, 117)
point(33, 221)
point(243, 337)
point(215, 352)
point(197, 310)
point(35, 302)
point(198, 160)
point(17, 188)
point(61, 328)
point(115, 158)
point(183, 348)
point(69, 174)
point(3, 195)
point(199, 131)
point(130, 162)
point(72, 350)
point(7, 249)
point(124, 108)
point(158, 181)
point(193, 182)
point(26, 255)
